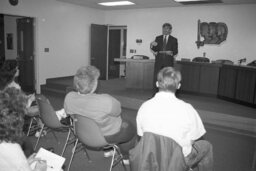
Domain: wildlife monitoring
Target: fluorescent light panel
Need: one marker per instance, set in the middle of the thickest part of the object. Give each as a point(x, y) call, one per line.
point(191, 2)
point(188, 0)
point(116, 3)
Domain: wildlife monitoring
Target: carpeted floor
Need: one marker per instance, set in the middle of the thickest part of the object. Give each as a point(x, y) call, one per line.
point(232, 151)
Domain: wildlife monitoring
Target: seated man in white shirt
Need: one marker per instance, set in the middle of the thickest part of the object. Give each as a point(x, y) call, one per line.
point(166, 115)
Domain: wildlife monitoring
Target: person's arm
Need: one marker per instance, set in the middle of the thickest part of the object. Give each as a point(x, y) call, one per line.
point(31, 98)
point(40, 165)
point(154, 46)
point(138, 122)
point(175, 47)
point(115, 109)
point(197, 129)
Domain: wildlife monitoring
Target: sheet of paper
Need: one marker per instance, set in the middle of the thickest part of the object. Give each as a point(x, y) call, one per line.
point(54, 161)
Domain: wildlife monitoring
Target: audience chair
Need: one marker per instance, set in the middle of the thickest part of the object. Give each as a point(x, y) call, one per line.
point(156, 152)
point(34, 118)
point(33, 124)
point(89, 136)
point(50, 121)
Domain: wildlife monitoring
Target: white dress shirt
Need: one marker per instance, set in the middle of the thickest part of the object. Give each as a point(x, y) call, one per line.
point(169, 116)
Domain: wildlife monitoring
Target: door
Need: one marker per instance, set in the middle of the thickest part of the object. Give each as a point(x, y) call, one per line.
point(2, 50)
point(114, 52)
point(25, 51)
point(99, 49)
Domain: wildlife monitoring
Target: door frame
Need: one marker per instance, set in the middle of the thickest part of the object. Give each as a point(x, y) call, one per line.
point(36, 51)
point(122, 28)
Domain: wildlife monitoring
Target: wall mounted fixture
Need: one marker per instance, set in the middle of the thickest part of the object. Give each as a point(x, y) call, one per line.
point(212, 33)
point(139, 41)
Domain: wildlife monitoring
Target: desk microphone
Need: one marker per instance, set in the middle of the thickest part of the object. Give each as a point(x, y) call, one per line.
point(241, 60)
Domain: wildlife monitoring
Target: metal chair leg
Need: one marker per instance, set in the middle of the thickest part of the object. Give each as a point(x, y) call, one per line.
point(66, 142)
point(56, 138)
point(73, 152)
point(120, 157)
point(87, 155)
point(113, 159)
point(39, 137)
point(30, 125)
point(254, 158)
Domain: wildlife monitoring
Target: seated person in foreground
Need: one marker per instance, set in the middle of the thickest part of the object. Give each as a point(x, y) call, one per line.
point(166, 115)
point(104, 109)
point(12, 111)
point(9, 73)
point(8, 76)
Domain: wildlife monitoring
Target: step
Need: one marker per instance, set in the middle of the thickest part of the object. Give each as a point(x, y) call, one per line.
point(45, 89)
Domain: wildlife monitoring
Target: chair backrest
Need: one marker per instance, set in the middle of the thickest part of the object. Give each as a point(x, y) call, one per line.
point(88, 132)
point(200, 59)
point(47, 113)
point(156, 152)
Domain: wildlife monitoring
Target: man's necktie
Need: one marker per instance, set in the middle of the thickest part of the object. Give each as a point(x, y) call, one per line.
point(164, 44)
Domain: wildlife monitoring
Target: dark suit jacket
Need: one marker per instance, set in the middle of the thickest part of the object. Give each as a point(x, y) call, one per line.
point(171, 45)
point(164, 60)
point(157, 153)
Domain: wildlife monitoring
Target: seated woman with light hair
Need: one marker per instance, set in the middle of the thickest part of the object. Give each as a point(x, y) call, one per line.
point(12, 111)
point(104, 109)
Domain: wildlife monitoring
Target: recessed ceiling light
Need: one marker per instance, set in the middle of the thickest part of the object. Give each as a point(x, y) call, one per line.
point(188, 0)
point(116, 3)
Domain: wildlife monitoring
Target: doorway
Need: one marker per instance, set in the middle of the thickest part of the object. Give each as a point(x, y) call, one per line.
point(117, 49)
point(18, 44)
point(108, 43)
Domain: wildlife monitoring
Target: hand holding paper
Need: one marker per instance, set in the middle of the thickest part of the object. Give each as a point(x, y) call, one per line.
point(54, 162)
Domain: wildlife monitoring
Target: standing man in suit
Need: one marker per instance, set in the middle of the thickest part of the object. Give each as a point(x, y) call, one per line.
point(164, 47)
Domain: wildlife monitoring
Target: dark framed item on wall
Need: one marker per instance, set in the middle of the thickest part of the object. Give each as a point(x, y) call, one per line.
point(13, 2)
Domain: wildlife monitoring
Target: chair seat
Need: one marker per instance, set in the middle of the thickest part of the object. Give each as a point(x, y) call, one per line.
point(156, 152)
point(89, 135)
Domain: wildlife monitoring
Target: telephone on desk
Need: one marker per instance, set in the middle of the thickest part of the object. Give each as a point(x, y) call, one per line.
point(139, 57)
point(253, 63)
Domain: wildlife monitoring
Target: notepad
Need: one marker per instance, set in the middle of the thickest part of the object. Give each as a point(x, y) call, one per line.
point(54, 161)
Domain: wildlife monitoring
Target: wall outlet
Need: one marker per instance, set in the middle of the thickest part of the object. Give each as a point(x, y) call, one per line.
point(46, 49)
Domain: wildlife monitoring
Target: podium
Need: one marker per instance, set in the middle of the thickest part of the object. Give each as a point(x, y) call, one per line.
point(139, 73)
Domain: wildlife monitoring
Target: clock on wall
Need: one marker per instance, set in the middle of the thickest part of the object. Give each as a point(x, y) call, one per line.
point(13, 2)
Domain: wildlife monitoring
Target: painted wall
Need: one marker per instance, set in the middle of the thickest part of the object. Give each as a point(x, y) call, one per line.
point(63, 28)
point(145, 24)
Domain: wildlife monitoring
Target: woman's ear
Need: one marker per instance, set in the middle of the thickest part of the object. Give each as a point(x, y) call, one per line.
point(157, 84)
point(178, 87)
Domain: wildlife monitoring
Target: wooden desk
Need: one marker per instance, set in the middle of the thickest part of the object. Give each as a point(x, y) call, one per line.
point(139, 73)
point(201, 78)
point(238, 83)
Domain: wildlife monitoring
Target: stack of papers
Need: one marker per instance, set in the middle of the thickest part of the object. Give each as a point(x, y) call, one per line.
point(54, 161)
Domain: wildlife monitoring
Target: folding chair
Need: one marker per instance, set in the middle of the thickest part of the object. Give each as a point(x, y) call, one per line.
point(33, 124)
point(50, 121)
point(89, 135)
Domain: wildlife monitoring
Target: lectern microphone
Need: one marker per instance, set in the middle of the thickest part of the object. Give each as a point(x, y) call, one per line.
point(241, 60)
